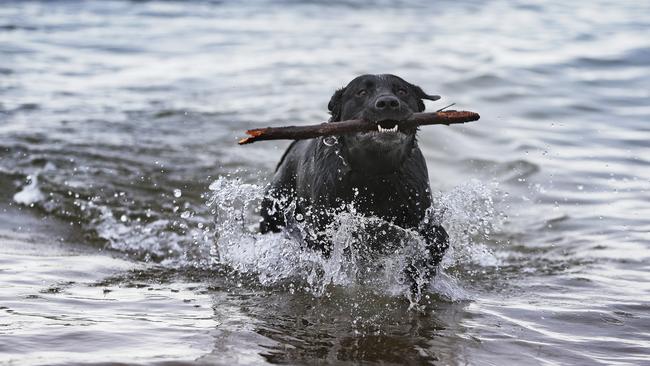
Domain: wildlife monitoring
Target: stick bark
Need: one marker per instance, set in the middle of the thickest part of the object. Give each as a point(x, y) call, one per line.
point(353, 126)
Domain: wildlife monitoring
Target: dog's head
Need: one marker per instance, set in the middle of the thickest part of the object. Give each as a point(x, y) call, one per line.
point(386, 100)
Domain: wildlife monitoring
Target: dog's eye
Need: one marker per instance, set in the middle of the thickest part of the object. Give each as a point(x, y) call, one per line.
point(402, 92)
point(362, 93)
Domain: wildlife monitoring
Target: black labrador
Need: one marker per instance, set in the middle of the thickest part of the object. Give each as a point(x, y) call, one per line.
point(382, 172)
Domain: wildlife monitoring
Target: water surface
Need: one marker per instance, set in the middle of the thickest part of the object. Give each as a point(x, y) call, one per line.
point(128, 212)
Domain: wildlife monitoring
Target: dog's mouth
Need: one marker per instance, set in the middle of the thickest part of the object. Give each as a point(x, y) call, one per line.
point(387, 125)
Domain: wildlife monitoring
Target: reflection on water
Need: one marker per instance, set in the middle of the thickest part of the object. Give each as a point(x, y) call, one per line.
point(119, 173)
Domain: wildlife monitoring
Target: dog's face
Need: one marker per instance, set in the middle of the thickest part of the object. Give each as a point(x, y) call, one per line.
point(386, 100)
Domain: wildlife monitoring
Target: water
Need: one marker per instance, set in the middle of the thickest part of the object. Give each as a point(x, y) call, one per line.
point(119, 173)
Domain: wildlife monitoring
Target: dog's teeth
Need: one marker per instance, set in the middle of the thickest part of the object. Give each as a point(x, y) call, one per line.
point(382, 129)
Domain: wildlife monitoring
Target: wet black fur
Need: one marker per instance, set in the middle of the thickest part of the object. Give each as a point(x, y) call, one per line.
point(384, 174)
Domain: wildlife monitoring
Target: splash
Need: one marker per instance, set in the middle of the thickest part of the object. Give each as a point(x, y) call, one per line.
point(177, 241)
point(471, 219)
point(223, 233)
point(31, 193)
point(467, 212)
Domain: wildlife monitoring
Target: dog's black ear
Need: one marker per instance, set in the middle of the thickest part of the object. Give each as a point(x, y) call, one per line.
point(334, 105)
point(420, 94)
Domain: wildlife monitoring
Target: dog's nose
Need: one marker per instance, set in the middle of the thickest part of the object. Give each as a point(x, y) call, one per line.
point(387, 102)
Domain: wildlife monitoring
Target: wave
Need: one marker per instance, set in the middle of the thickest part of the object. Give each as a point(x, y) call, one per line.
point(224, 235)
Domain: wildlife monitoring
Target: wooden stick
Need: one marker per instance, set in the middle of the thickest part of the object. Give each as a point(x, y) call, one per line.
point(354, 125)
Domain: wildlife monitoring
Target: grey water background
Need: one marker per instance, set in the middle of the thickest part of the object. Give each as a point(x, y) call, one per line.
point(116, 117)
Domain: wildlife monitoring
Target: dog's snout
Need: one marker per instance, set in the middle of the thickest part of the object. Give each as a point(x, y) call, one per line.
point(387, 102)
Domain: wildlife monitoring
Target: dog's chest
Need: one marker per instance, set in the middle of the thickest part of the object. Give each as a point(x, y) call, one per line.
point(391, 197)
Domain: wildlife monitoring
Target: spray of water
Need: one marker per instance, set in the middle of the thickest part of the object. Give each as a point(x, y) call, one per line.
point(225, 235)
point(467, 212)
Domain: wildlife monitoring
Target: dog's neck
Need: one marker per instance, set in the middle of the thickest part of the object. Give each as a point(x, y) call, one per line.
point(375, 160)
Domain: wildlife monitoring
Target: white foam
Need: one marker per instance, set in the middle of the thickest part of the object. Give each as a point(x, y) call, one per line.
point(30, 193)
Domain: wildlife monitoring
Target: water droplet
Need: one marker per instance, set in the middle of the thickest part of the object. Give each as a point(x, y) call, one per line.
point(299, 217)
point(123, 218)
point(177, 193)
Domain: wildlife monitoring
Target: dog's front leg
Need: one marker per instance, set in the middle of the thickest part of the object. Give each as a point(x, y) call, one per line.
point(437, 241)
point(421, 269)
